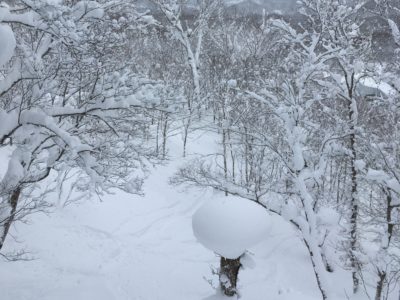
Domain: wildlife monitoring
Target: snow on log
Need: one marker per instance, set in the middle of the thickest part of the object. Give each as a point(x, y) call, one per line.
point(230, 225)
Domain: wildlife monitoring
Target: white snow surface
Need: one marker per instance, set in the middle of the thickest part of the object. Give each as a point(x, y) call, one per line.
point(378, 86)
point(88, 9)
point(395, 31)
point(8, 43)
point(232, 83)
point(230, 225)
point(127, 247)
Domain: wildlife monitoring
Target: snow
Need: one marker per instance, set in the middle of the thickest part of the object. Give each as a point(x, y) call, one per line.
point(4, 10)
point(360, 164)
point(88, 9)
point(328, 217)
point(377, 86)
point(230, 225)
point(232, 83)
point(41, 119)
point(382, 177)
point(13, 76)
point(148, 20)
point(395, 31)
point(127, 247)
point(8, 44)
point(121, 246)
point(290, 211)
point(29, 18)
point(15, 169)
point(393, 184)
point(7, 122)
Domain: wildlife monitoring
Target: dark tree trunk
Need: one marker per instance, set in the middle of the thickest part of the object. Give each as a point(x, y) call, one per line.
point(390, 226)
point(354, 187)
point(316, 272)
point(12, 202)
point(354, 216)
point(379, 286)
point(228, 275)
point(164, 143)
point(186, 133)
point(225, 157)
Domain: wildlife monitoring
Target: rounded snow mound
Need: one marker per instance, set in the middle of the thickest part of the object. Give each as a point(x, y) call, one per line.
point(230, 225)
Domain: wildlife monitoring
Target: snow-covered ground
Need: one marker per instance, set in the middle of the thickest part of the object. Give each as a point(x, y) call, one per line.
point(127, 247)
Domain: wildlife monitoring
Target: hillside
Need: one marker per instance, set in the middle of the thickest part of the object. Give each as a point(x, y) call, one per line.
point(125, 247)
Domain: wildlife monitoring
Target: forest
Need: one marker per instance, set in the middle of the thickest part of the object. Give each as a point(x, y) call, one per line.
point(171, 149)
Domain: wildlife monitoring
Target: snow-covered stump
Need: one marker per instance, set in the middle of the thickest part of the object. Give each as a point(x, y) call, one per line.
point(229, 226)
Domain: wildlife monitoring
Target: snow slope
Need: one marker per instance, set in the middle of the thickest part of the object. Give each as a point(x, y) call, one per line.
point(129, 248)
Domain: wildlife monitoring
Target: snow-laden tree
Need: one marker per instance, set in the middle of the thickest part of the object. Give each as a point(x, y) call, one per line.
point(300, 137)
point(293, 97)
point(69, 100)
point(238, 54)
point(381, 168)
point(339, 24)
point(188, 25)
point(382, 213)
point(288, 99)
point(304, 117)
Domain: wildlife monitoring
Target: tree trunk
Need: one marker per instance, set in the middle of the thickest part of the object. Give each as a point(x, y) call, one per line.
point(310, 237)
point(386, 243)
point(317, 271)
point(353, 118)
point(157, 135)
point(246, 157)
point(186, 133)
point(224, 155)
point(12, 202)
point(379, 286)
point(354, 215)
point(228, 275)
point(164, 134)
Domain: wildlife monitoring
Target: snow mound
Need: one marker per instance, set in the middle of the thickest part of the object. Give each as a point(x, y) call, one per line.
point(7, 44)
point(230, 225)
